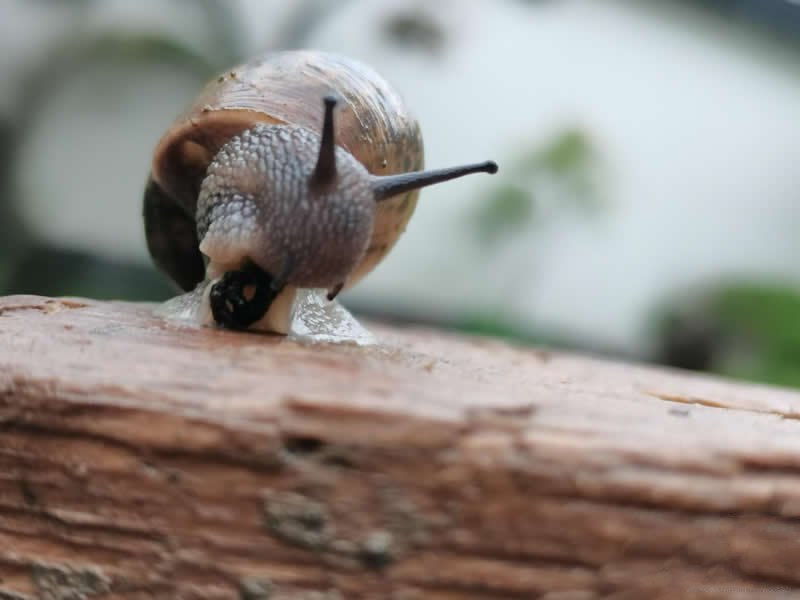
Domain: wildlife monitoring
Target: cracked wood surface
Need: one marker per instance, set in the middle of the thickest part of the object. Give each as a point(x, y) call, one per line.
point(140, 459)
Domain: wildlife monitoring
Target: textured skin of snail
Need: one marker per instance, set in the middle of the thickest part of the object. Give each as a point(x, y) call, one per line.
point(256, 202)
point(372, 124)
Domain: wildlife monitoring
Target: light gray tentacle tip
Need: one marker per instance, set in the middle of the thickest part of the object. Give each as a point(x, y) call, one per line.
point(330, 101)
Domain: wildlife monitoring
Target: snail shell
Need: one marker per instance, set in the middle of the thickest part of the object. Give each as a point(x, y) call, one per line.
point(284, 88)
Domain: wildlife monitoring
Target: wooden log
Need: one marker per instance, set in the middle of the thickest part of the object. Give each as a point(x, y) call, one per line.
point(140, 459)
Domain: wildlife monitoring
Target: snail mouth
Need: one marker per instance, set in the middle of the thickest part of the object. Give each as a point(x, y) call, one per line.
point(242, 297)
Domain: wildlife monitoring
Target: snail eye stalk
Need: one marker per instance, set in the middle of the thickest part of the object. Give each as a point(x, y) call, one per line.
point(391, 185)
point(325, 172)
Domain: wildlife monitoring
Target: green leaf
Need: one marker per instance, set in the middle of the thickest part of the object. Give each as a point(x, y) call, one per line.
point(750, 331)
point(570, 151)
point(508, 209)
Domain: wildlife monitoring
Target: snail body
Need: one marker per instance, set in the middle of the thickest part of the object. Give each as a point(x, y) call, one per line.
point(297, 170)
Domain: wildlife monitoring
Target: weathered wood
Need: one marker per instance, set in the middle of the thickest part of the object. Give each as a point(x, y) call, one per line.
point(139, 459)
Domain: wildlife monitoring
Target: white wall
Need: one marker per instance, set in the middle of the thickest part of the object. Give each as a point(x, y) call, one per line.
point(699, 125)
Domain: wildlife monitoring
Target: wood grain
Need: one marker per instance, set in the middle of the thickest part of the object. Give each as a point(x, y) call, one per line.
point(140, 459)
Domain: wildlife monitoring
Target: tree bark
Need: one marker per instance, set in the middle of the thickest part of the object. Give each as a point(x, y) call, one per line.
point(141, 459)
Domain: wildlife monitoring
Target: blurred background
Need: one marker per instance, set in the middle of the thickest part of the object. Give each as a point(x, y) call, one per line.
point(648, 200)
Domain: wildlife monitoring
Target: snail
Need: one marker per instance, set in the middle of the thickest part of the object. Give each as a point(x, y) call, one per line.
point(297, 170)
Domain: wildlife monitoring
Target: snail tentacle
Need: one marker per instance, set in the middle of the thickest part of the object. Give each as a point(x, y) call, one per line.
point(387, 186)
point(325, 172)
point(334, 291)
